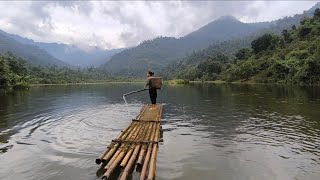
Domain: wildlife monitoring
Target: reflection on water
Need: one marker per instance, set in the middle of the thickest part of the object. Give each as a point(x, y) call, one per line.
point(211, 131)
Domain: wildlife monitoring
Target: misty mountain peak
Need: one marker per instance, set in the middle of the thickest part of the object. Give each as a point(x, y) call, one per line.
point(228, 18)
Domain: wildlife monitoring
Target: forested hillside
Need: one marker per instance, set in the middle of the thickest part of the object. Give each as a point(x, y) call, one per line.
point(30, 53)
point(226, 35)
point(292, 57)
point(185, 66)
point(17, 73)
point(158, 53)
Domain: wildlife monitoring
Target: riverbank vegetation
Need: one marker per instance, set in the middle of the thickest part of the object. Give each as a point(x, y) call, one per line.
point(290, 58)
point(15, 73)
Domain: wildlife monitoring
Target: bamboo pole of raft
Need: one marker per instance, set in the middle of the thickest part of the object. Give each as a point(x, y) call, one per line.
point(152, 167)
point(140, 137)
point(131, 148)
point(147, 158)
point(114, 162)
point(128, 167)
point(144, 147)
point(126, 158)
point(130, 163)
point(134, 131)
point(117, 160)
point(133, 157)
point(114, 146)
point(104, 153)
point(114, 157)
point(133, 126)
point(114, 165)
point(142, 111)
point(160, 113)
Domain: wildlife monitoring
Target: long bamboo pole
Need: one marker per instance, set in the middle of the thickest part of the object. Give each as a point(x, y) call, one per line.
point(104, 153)
point(135, 153)
point(129, 153)
point(140, 137)
point(144, 147)
point(142, 111)
point(160, 113)
point(116, 159)
point(130, 163)
point(116, 145)
point(114, 165)
point(126, 158)
point(147, 157)
point(152, 167)
point(131, 137)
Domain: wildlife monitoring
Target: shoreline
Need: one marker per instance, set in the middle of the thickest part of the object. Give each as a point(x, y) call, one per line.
point(88, 83)
point(170, 82)
point(225, 82)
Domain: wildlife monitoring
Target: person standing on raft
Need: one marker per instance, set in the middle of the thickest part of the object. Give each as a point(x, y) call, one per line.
point(152, 90)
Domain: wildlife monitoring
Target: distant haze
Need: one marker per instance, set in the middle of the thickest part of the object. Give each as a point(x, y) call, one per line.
point(109, 25)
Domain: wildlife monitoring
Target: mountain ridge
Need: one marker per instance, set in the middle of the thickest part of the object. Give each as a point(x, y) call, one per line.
point(32, 54)
point(149, 54)
point(156, 53)
point(69, 53)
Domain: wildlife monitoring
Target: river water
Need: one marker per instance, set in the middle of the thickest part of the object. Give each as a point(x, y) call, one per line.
point(211, 131)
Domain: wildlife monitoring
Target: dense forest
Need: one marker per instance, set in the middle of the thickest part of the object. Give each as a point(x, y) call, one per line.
point(16, 73)
point(292, 57)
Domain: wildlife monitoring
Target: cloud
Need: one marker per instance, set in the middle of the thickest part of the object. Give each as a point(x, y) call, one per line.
point(110, 24)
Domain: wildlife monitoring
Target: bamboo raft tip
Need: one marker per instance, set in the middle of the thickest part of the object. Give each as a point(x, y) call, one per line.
point(136, 145)
point(98, 161)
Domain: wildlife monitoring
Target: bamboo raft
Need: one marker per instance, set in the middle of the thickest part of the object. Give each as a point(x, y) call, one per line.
point(136, 145)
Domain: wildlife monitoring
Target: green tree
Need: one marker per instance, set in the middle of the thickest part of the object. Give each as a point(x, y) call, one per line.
point(246, 70)
point(210, 67)
point(317, 53)
point(264, 42)
point(316, 14)
point(304, 31)
point(5, 74)
point(243, 53)
point(286, 36)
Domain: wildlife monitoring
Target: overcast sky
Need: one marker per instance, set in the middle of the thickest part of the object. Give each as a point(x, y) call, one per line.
point(109, 24)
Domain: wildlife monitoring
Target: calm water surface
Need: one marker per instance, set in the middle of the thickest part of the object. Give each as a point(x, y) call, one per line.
point(220, 132)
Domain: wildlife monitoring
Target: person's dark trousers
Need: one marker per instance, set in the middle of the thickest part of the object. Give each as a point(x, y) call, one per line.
point(153, 95)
